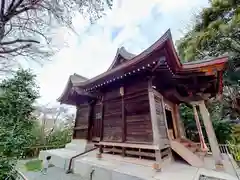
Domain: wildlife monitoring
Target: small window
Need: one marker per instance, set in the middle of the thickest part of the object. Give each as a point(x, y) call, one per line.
point(98, 116)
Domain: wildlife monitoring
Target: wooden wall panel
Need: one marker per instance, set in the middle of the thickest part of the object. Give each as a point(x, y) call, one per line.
point(136, 126)
point(136, 87)
point(112, 123)
point(81, 123)
point(112, 94)
point(96, 122)
point(138, 122)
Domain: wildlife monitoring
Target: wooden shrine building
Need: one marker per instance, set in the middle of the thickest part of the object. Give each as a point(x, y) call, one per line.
point(132, 109)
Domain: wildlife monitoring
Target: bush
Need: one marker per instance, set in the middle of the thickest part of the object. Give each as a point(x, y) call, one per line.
point(223, 129)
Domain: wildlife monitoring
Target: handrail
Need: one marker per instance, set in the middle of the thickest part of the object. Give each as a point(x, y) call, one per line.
point(70, 163)
point(233, 150)
point(229, 158)
point(20, 176)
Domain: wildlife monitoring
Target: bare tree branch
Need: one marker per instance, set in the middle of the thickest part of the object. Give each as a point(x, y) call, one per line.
point(9, 30)
point(26, 27)
point(2, 8)
point(19, 40)
point(15, 49)
point(14, 7)
point(11, 5)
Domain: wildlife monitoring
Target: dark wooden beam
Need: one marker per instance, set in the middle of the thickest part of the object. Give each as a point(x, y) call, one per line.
point(189, 99)
point(90, 121)
point(102, 118)
point(123, 121)
point(75, 124)
point(160, 63)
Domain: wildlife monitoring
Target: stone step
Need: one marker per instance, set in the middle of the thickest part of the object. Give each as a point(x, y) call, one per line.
point(112, 167)
point(59, 157)
point(77, 145)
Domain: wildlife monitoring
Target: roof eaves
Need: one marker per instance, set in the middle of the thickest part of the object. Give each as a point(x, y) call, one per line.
point(204, 63)
point(138, 58)
point(121, 52)
point(73, 80)
point(66, 90)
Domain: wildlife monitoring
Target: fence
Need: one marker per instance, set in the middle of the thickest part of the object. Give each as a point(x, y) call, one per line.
point(233, 150)
point(33, 151)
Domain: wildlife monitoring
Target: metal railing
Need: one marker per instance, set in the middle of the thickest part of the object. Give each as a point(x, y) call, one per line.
point(20, 176)
point(233, 150)
point(16, 175)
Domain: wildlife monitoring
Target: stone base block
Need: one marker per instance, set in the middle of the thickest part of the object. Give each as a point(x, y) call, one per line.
point(59, 157)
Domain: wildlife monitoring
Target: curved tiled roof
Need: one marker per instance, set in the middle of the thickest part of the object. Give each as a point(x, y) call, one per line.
point(122, 54)
point(165, 42)
point(125, 62)
point(72, 81)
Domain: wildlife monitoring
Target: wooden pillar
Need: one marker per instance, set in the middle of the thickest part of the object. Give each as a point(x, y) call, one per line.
point(175, 128)
point(123, 114)
point(155, 129)
point(210, 133)
point(201, 137)
point(181, 129)
point(75, 124)
point(102, 119)
point(123, 121)
point(90, 121)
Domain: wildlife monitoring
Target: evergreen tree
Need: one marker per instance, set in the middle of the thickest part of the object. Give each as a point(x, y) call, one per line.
point(16, 119)
point(223, 128)
point(216, 32)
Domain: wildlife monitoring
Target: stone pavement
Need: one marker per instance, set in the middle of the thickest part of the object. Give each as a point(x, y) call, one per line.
point(175, 171)
point(54, 173)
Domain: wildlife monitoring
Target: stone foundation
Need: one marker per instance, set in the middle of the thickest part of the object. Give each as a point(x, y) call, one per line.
point(61, 157)
point(113, 167)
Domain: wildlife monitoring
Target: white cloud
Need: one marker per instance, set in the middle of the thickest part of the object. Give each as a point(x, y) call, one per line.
point(129, 12)
point(172, 6)
point(92, 52)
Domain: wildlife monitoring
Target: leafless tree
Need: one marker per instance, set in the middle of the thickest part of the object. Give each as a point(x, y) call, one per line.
point(51, 118)
point(25, 26)
point(57, 115)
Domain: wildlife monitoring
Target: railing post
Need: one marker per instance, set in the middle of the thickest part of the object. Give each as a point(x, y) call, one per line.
point(227, 149)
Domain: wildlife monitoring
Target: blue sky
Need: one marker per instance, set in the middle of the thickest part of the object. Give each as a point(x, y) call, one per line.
point(134, 24)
